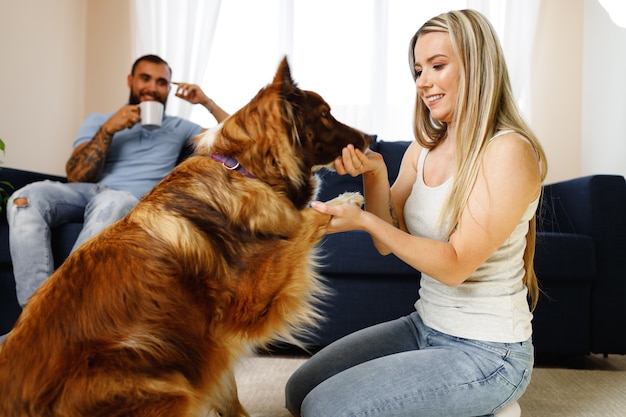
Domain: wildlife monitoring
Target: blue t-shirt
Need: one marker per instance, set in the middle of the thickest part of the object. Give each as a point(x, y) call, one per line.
point(139, 158)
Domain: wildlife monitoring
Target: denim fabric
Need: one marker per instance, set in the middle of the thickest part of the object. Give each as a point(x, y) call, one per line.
point(138, 158)
point(51, 204)
point(404, 368)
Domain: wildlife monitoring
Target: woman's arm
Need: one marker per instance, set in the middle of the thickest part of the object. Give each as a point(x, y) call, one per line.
point(507, 183)
point(384, 201)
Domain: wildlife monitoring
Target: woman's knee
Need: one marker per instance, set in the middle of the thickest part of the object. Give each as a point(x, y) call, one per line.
point(294, 394)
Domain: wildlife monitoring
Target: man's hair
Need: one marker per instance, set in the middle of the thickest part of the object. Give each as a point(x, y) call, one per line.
point(150, 58)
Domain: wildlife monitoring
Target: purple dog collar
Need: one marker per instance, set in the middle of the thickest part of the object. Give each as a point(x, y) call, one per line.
point(231, 164)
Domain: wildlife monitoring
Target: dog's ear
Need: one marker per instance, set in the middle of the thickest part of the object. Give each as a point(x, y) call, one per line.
point(283, 75)
point(288, 86)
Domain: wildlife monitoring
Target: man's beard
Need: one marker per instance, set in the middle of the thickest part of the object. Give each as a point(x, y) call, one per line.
point(134, 99)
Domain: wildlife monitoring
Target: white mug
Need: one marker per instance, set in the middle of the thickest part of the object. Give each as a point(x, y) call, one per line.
point(151, 113)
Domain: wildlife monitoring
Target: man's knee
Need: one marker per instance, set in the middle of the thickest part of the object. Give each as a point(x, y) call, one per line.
point(123, 203)
point(20, 201)
point(36, 194)
point(16, 203)
point(110, 205)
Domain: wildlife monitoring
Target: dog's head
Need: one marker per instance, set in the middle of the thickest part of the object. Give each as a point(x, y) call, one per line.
point(283, 135)
point(313, 129)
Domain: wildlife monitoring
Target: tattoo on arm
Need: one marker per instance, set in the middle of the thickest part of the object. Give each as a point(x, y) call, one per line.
point(392, 212)
point(87, 162)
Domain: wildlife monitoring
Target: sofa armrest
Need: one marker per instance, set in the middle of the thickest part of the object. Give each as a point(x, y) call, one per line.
point(594, 205)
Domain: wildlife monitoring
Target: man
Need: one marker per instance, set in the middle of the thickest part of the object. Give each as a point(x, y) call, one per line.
point(114, 163)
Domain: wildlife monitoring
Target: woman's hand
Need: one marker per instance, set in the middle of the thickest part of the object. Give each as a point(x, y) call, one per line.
point(354, 162)
point(344, 216)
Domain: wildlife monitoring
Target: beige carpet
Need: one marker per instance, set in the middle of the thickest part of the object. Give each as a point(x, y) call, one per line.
point(553, 392)
point(261, 382)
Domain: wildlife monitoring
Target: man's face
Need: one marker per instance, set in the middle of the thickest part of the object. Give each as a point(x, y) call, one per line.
point(150, 81)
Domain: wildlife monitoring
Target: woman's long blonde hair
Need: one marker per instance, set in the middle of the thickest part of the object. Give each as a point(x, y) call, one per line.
point(485, 106)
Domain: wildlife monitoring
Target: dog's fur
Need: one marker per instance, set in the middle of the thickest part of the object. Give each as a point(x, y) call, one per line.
point(148, 317)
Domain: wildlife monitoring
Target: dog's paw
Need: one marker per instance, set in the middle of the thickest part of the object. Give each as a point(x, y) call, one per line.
point(347, 198)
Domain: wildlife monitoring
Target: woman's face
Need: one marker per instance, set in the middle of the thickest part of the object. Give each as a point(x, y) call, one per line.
point(437, 74)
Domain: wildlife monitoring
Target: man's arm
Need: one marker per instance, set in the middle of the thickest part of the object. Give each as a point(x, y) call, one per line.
point(217, 112)
point(87, 160)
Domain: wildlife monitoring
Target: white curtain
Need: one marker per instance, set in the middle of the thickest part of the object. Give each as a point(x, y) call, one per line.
point(353, 52)
point(516, 23)
point(181, 32)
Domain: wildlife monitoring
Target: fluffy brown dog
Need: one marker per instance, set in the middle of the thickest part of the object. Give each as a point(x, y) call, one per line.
point(148, 317)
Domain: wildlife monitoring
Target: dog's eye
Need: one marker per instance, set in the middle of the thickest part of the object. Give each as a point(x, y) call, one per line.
point(325, 114)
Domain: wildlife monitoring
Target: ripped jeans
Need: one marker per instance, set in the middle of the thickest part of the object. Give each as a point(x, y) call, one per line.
point(35, 209)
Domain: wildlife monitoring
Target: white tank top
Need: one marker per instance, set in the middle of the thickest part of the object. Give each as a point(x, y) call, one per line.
point(491, 305)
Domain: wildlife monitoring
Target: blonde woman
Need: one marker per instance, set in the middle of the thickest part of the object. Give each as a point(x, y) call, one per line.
point(462, 212)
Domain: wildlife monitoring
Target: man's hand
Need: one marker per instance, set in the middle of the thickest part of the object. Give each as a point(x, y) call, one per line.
point(124, 118)
point(193, 94)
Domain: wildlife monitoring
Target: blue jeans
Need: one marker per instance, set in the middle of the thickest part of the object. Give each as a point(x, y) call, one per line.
point(404, 368)
point(49, 204)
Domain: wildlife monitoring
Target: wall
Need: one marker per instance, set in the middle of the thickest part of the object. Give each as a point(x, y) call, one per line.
point(556, 79)
point(61, 60)
point(603, 144)
point(73, 56)
point(42, 82)
point(109, 55)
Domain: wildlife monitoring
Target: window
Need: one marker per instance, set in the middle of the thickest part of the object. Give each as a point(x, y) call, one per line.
point(353, 52)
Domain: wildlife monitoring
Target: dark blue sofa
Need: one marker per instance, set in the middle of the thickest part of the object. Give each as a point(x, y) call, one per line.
point(580, 260)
